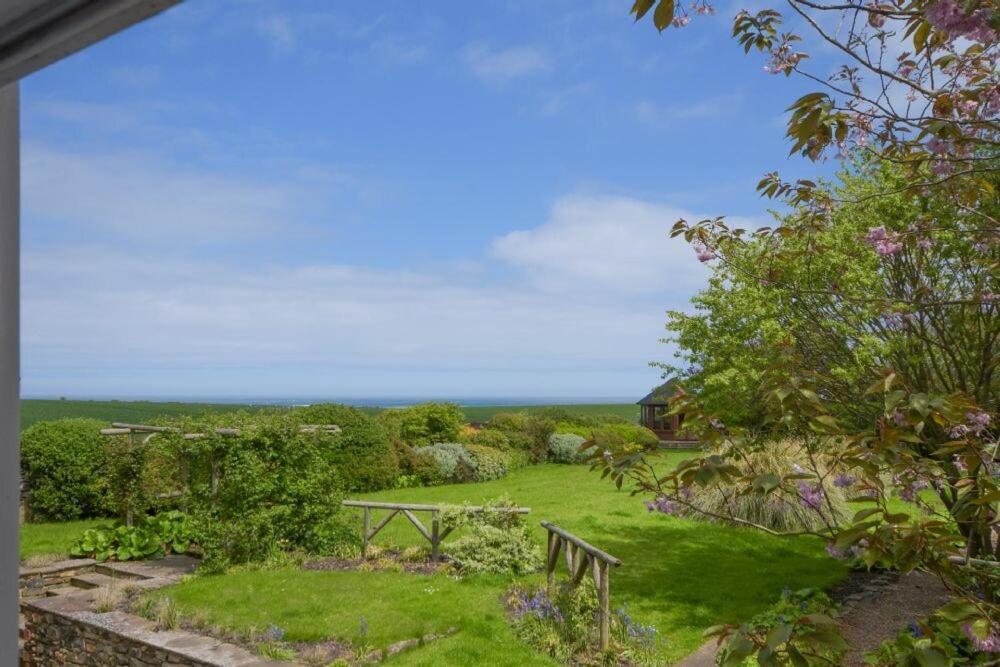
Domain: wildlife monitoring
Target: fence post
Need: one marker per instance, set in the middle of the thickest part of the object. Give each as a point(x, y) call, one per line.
point(368, 523)
point(435, 536)
point(603, 595)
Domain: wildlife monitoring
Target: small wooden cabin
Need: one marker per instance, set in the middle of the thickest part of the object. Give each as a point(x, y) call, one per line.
point(653, 409)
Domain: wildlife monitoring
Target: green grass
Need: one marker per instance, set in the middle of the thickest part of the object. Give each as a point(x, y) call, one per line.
point(44, 539)
point(680, 575)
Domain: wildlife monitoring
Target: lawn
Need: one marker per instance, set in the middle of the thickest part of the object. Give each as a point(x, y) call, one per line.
point(43, 539)
point(680, 575)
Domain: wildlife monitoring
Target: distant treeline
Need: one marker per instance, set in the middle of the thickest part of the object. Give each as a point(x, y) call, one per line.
point(36, 410)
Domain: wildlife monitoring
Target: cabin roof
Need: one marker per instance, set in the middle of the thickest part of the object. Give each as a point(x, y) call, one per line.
point(660, 395)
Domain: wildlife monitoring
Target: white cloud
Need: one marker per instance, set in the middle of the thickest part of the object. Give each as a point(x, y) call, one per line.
point(611, 243)
point(277, 29)
point(503, 65)
point(712, 107)
point(142, 198)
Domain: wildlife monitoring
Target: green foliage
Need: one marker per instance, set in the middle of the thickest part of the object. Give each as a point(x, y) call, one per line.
point(487, 437)
point(425, 423)
point(64, 467)
point(149, 537)
point(271, 488)
point(798, 630)
point(525, 432)
point(362, 454)
point(490, 463)
point(454, 462)
point(565, 448)
point(779, 458)
point(945, 638)
point(34, 410)
point(495, 540)
point(613, 436)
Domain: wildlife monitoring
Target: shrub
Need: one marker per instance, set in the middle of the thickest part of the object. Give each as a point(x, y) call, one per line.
point(487, 437)
point(64, 467)
point(277, 490)
point(361, 452)
point(427, 423)
point(490, 463)
point(565, 448)
point(496, 541)
point(775, 512)
point(797, 630)
point(525, 432)
point(613, 436)
point(947, 637)
point(454, 462)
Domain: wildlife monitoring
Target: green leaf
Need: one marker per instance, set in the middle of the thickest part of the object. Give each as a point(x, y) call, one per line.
point(663, 15)
point(641, 7)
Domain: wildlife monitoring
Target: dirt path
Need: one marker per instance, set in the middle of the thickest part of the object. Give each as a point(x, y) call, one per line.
point(874, 607)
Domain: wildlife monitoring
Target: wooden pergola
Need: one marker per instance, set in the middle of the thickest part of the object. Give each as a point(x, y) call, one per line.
point(654, 409)
point(33, 34)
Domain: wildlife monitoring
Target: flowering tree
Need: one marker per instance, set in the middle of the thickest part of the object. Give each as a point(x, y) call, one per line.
point(916, 100)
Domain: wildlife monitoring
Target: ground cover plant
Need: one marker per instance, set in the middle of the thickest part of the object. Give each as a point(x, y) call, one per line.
point(679, 576)
point(53, 539)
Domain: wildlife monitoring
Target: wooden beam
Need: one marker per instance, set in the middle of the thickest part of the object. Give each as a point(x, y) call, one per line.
point(58, 28)
point(417, 507)
point(577, 542)
point(380, 525)
point(416, 522)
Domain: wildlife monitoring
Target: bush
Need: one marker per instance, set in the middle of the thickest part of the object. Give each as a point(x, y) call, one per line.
point(425, 423)
point(496, 541)
point(64, 468)
point(490, 463)
point(613, 436)
point(525, 432)
point(361, 452)
point(277, 489)
point(774, 512)
point(454, 463)
point(565, 448)
point(487, 437)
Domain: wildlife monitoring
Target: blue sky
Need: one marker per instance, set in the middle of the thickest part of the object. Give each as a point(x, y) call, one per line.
point(330, 199)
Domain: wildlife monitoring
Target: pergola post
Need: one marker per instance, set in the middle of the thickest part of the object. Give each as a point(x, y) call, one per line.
point(10, 367)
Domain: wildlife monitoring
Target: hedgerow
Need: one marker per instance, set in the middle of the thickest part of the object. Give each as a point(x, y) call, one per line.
point(64, 467)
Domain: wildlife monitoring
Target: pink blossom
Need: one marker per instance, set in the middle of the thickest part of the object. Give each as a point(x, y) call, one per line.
point(702, 252)
point(680, 21)
point(939, 146)
point(925, 244)
point(987, 297)
point(885, 243)
point(988, 644)
point(948, 16)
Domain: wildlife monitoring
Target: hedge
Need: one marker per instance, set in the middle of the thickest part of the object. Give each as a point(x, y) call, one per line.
point(64, 466)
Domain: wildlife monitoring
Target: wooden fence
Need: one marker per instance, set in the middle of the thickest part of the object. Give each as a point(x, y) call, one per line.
point(582, 557)
point(435, 535)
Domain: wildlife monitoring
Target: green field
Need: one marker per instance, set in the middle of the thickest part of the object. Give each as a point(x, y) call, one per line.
point(680, 575)
point(36, 410)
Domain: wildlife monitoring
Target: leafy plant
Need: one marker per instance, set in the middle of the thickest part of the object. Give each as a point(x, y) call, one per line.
point(566, 448)
point(64, 468)
point(454, 462)
point(490, 463)
point(151, 537)
point(495, 540)
point(798, 630)
point(951, 636)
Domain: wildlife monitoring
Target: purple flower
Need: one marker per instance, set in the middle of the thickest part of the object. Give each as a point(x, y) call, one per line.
point(844, 481)
point(988, 644)
point(663, 505)
point(811, 495)
point(977, 421)
point(899, 417)
point(909, 491)
point(925, 244)
point(987, 297)
point(852, 551)
point(537, 605)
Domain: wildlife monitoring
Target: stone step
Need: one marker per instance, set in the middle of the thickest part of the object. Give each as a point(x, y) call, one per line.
point(60, 590)
point(94, 580)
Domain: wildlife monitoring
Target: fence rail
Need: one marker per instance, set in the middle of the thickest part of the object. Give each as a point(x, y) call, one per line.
point(435, 535)
point(581, 557)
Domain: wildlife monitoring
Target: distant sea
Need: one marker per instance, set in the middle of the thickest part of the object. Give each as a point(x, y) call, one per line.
point(385, 402)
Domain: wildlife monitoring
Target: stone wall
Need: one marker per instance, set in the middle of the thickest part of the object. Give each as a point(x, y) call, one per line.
point(33, 582)
point(64, 630)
